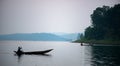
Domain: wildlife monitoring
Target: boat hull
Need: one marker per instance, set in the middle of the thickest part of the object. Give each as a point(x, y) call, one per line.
point(34, 52)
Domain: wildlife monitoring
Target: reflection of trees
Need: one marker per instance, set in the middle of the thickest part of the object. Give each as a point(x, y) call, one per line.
point(105, 56)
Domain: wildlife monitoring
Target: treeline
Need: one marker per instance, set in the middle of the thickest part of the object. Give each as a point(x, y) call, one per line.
point(105, 24)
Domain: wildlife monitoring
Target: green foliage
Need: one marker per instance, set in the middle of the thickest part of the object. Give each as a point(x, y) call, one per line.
point(105, 24)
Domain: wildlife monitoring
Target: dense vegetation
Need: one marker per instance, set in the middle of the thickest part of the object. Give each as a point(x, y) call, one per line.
point(105, 24)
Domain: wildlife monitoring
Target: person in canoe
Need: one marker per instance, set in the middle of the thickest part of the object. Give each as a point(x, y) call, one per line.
point(19, 51)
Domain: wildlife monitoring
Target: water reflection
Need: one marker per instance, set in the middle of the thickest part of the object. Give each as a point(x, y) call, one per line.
point(19, 56)
point(105, 55)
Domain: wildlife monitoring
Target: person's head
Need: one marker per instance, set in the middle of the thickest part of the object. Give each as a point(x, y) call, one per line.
point(19, 48)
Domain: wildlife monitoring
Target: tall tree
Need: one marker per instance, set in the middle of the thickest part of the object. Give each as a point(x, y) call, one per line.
point(105, 23)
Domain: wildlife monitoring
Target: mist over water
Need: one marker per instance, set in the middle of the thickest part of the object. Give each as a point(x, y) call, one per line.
point(64, 54)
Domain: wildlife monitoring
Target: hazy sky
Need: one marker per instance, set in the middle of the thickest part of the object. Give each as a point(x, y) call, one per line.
point(31, 16)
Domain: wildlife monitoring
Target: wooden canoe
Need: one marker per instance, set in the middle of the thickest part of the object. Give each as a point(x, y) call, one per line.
point(33, 52)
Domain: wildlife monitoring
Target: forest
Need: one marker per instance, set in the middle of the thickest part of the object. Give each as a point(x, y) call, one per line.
point(105, 25)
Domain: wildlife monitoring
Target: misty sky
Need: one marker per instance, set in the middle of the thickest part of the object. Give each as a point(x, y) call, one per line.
point(35, 16)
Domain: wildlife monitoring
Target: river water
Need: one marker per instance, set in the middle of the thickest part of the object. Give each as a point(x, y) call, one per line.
point(64, 54)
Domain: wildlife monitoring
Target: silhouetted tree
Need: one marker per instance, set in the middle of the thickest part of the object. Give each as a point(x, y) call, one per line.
point(81, 36)
point(105, 23)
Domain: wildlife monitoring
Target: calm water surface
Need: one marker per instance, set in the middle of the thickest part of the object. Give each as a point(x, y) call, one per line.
point(64, 54)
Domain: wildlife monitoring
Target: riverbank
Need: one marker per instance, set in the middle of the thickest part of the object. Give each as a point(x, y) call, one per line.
point(98, 42)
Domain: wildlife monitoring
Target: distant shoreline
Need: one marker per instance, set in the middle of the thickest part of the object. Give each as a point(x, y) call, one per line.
point(98, 42)
point(35, 40)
